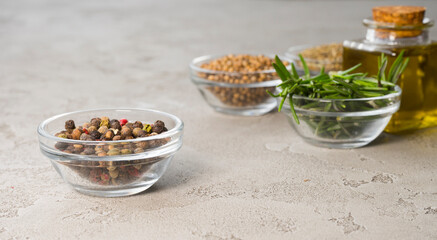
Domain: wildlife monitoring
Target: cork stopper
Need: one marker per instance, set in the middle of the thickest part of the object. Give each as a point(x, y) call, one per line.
point(399, 16)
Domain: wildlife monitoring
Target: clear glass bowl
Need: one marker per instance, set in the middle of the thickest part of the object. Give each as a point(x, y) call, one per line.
point(315, 64)
point(342, 123)
point(250, 99)
point(116, 175)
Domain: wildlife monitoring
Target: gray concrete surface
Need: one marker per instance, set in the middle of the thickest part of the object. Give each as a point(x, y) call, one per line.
point(235, 177)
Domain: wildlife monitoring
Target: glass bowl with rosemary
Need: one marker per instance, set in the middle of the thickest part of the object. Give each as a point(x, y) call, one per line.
point(339, 109)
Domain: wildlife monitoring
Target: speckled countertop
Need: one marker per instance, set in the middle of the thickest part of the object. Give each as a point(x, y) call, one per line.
point(235, 177)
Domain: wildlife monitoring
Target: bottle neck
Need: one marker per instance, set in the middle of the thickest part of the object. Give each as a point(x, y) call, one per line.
point(389, 37)
point(397, 35)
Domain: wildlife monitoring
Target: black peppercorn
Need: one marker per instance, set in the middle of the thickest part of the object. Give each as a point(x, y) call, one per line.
point(143, 144)
point(95, 122)
point(85, 137)
point(95, 135)
point(129, 125)
point(138, 124)
point(70, 148)
point(61, 145)
point(158, 127)
point(70, 125)
point(89, 151)
point(142, 133)
point(125, 131)
point(115, 124)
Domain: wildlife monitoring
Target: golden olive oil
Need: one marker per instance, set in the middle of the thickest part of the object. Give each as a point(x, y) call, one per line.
point(418, 83)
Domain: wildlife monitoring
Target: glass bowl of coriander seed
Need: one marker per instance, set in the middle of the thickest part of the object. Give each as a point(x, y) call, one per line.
point(111, 152)
point(236, 84)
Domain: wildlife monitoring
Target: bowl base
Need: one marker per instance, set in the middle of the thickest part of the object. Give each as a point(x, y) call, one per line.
point(337, 145)
point(134, 189)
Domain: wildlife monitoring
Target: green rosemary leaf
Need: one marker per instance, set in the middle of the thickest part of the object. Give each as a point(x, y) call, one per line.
point(295, 74)
point(349, 70)
point(334, 96)
point(340, 91)
point(394, 69)
point(401, 70)
point(322, 70)
point(293, 88)
point(372, 80)
point(373, 89)
point(305, 67)
point(284, 83)
point(382, 65)
point(321, 77)
point(372, 94)
point(293, 112)
point(280, 73)
point(282, 67)
point(271, 94)
point(346, 85)
point(282, 103)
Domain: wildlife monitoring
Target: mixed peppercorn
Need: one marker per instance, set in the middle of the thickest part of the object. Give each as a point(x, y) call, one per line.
point(240, 69)
point(101, 132)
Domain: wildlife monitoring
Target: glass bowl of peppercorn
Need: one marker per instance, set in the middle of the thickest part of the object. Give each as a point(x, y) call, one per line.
point(236, 84)
point(111, 152)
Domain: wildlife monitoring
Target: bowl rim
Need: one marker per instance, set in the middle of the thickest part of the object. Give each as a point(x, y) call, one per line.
point(269, 83)
point(395, 94)
point(179, 125)
point(293, 53)
point(196, 60)
point(372, 112)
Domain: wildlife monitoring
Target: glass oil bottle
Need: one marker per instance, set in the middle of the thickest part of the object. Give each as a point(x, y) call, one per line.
point(408, 32)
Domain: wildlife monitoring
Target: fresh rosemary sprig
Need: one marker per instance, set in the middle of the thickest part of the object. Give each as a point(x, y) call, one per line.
point(336, 85)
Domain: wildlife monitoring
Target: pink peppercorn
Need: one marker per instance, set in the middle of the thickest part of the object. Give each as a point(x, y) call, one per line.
point(123, 122)
point(133, 172)
point(104, 177)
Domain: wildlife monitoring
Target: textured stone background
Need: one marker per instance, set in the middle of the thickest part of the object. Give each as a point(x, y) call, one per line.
point(235, 177)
